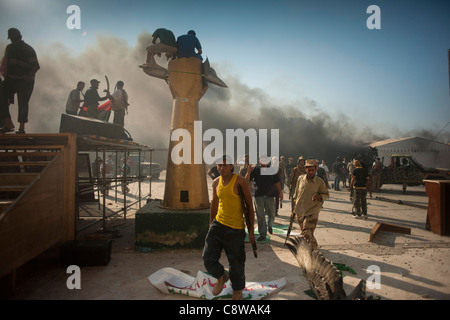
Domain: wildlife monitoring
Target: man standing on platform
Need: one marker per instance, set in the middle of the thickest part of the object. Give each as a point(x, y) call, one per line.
point(74, 99)
point(19, 66)
point(91, 99)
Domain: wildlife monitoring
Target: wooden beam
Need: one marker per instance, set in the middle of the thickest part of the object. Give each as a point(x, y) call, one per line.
point(29, 154)
point(24, 163)
point(380, 226)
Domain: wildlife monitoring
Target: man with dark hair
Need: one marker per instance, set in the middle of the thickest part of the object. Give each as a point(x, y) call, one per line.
point(91, 99)
point(189, 46)
point(360, 180)
point(167, 44)
point(19, 66)
point(74, 99)
point(265, 188)
point(295, 173)
point(119, 104)
point(227, 229)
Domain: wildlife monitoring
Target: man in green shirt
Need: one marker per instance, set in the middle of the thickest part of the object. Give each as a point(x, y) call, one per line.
point(167, 44)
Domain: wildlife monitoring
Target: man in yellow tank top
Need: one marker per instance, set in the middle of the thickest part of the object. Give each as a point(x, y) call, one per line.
point(226, 229)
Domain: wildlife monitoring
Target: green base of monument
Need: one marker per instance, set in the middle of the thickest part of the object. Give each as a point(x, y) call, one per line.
point(162, 228)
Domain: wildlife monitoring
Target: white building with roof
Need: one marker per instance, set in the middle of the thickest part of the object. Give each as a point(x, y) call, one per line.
point(429, 153)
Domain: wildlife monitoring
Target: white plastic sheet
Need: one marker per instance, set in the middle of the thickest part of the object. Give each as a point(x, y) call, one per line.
point(172, 281)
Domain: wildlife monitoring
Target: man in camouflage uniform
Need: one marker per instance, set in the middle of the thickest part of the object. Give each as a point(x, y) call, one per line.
point(295, 173)
point(310, 193)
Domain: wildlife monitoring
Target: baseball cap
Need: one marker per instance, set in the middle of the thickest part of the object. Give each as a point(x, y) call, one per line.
point(13, 31)
point(310, 163)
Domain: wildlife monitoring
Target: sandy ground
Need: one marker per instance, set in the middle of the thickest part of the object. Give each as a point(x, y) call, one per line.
point(412, 267)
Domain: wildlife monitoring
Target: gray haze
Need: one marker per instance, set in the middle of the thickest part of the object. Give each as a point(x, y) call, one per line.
point(304, 128)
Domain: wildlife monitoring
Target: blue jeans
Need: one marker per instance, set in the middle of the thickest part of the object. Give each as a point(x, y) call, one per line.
point(337, 180)
point(264, 205)
point(232, 241)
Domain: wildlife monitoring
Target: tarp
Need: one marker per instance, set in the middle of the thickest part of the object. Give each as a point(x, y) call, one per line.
point(172, 281)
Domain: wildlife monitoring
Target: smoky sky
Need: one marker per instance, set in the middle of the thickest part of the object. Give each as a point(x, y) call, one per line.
point(304, 129)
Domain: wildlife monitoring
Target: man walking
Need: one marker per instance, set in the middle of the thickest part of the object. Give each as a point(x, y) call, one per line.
point(265, 188)
point(360, 180)
point(226, 229)
point(310, 193)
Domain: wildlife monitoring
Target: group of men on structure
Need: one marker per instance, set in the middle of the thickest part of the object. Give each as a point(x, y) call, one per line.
point(90, 102)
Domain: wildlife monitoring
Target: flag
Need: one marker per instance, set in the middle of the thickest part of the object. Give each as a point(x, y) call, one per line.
point(104, 111)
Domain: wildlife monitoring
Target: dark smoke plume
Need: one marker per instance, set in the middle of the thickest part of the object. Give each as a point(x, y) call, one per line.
point(317, 135)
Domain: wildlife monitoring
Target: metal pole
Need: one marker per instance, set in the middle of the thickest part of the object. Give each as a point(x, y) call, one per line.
point(104, 189)
point(139, 179)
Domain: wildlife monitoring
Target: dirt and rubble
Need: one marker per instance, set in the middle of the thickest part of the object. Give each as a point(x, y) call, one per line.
point(412, 266)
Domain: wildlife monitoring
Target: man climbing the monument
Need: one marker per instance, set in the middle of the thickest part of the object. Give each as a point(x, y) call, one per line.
point(226, 229)
point(189, 46)
point(167, 44)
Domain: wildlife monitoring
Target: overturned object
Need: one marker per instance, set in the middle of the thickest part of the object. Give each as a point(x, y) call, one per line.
point(172, 281)
point(323, 277)
point(381, 226)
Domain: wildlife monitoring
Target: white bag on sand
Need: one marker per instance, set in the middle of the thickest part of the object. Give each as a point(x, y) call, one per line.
point(169, 280)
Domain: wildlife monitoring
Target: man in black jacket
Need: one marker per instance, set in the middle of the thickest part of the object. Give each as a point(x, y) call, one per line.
point(91, 99)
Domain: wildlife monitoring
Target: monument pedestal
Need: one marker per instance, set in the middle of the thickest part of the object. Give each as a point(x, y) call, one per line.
point(161, 228)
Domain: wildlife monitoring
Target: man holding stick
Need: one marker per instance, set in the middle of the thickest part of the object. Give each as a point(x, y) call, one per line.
point(310, 193)
point(227, 229)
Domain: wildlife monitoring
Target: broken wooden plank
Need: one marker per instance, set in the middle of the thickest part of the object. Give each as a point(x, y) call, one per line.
point(381, 226)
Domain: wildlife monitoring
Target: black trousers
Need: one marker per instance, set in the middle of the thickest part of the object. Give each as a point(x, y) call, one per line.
point(8, 89)
point(232, 241)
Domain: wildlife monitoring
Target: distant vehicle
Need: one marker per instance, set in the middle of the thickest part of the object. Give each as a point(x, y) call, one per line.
point(405, 170)
point(152, 170)
point(148, 169)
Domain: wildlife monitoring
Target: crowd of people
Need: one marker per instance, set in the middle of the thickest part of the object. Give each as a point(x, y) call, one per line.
point(308, 188)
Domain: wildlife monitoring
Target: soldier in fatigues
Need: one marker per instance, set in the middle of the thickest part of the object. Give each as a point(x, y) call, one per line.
point(295, 173)
point(310, 193)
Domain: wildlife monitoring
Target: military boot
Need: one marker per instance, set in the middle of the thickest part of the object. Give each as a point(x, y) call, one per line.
point(218, 287)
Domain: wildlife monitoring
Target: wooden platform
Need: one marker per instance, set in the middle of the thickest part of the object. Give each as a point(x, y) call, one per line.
point(37, 195)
